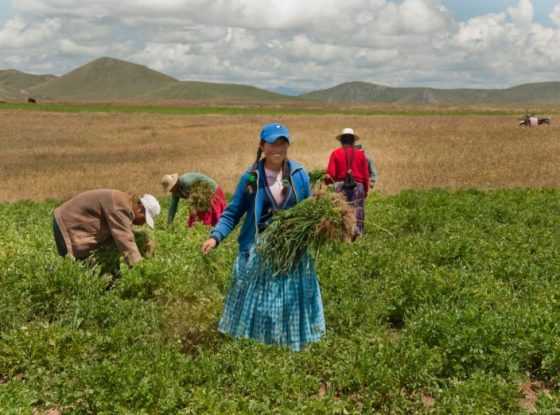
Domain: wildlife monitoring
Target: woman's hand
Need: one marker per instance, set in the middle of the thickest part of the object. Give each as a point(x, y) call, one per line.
point(208, 245)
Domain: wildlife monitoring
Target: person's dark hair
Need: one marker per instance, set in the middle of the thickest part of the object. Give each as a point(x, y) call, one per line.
point(252, 182)
point(258, 158)
point(347, 140)
point(286, 179)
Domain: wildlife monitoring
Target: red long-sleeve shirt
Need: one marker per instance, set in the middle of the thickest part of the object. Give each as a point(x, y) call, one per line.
point(344, 158)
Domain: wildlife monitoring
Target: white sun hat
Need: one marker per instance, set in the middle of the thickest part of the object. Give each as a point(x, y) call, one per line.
point(151, 207)
point(348, 131)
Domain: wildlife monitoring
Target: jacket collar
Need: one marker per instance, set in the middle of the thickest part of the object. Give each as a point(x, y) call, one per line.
point(259, 196)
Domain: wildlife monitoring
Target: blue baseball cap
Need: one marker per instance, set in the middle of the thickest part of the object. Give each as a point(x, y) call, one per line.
point(272, 132)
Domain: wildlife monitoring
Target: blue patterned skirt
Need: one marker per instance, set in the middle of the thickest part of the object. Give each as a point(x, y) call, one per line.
point(285, 310)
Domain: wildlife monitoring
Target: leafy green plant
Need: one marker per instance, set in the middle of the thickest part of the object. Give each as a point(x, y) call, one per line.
point(448, 313)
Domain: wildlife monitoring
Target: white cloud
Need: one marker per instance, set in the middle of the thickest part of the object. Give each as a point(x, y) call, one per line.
point(481, 33)
point(555, 14)
point(69, 47)
point(17, 33)
point(295, 43)
point(422, 16)
point(522, 15)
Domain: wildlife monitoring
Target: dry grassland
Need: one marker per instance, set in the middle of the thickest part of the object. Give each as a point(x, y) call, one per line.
point(55, 155)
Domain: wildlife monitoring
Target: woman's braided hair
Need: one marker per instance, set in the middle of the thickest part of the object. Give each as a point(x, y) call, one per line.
point(286, 178)
point(252, 181)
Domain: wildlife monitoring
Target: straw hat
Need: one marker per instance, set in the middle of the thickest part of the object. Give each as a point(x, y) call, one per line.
point(168, 181)
point(347, 131)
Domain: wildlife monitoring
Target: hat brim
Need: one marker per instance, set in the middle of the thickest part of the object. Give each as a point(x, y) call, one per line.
point(168, 187)
point(149, 219)
point(274, 138)
point(339, 137)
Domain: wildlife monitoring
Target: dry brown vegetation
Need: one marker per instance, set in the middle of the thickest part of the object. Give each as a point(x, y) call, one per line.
point(55, 155)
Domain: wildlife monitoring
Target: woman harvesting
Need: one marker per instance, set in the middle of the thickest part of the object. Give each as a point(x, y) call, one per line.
point(206, 199)
point(284, 309)
point(348, 169)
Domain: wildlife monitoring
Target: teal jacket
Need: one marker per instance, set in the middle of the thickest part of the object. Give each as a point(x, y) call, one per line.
point(185, 183)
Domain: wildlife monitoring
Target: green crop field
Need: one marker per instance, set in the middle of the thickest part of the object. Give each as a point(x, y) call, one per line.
point(449, 304)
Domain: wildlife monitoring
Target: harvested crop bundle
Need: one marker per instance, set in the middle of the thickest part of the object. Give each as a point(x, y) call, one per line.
point(200, 196)
point(319, 220)
point(317, 176)
point(107, 257)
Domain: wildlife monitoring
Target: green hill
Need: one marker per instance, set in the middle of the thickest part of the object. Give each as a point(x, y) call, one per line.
point(15, 84)
point(108, 79)
point(104, 79)
point(193, 90)
point(364, 92)
point(542, 92)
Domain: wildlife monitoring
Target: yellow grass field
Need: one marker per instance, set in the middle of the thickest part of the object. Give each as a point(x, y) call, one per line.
point(55, 155)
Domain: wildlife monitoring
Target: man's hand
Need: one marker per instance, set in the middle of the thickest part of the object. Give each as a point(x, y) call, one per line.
point(208, 245)
point(149, 249)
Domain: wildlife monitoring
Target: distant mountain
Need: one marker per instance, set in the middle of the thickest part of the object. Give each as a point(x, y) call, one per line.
point(108, 79)
point(541, 92)
point(364, 92)
point(193, 90)
point(284, 90)
point(104, 79)
point(15, 84)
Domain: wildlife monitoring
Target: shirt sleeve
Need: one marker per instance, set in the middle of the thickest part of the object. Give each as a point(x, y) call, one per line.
point(172, 209)
point(364, 170)
point(373, 173)
point(236, 208)
point(120, 225)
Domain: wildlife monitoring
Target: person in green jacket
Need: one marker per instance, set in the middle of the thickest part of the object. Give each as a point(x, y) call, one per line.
point(180, 187)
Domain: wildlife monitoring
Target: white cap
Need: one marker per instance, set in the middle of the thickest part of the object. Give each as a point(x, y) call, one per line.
point(151, 207)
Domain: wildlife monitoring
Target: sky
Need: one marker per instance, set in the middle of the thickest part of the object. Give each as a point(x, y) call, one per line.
point(293, 45)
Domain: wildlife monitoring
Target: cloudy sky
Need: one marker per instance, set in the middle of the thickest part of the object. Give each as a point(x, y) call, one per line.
point(295, 44)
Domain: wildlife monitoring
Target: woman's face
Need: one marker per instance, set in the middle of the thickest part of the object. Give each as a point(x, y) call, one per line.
point(276, 152)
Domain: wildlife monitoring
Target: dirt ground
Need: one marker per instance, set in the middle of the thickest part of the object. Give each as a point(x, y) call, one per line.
point(55, 155)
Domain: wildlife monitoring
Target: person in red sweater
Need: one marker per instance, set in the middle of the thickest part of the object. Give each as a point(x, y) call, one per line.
point(348, 170)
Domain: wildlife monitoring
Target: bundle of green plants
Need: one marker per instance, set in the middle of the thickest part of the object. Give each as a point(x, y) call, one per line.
point(317, 176)
point(200, 196)
point(107, 257)
point(320, 220)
